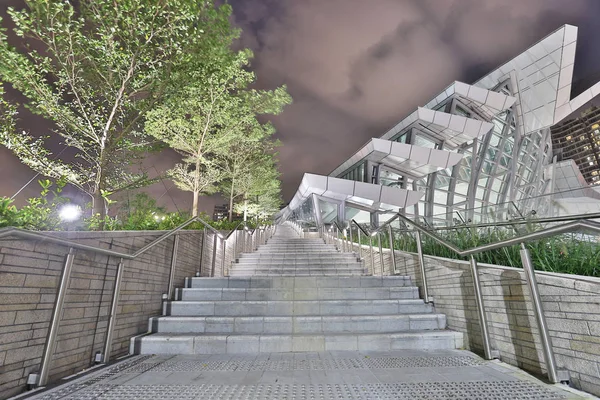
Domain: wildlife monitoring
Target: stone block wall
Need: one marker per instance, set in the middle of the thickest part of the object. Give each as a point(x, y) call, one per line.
point(571, 305)
point(29, 277)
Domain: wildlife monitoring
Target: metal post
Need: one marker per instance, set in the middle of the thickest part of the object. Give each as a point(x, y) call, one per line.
point(173, 264)
point(372, 257)
point(485, 335)
point(359, 243)
point(336, 236)
point(380, 253)
point(214, 256)
point(112, 319)
point(350, 238)
point(224, 245)
point(55, 320)
point(235, 244)
point(422, 265)
point(539, 314)
point(392, 252)
point(203, 245)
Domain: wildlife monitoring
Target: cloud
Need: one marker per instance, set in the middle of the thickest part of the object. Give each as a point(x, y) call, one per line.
point(356, 67)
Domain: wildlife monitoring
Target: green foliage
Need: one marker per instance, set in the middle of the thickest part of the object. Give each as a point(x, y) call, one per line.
point(211, 122)
point(9, 214)
point(40, 213)
point(94, 69)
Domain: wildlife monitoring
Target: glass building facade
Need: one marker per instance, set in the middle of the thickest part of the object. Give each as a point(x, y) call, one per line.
point(471, 148)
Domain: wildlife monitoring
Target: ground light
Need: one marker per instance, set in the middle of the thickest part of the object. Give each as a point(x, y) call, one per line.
point(69, 212)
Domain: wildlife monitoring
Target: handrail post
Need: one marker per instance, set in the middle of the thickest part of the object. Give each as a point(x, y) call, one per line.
point(336, 236)
point(372, 257)
point(203, 245)
point(350, 238)
point(55, 320)
point(380, 253)
point(485, 335)
point(214, 256)
point(173, 265)
point(392, 252)
point(224, 245)
point(359, 243)
point(235, 244)
point(112, 319)
point(422, 267)
point(539, 314)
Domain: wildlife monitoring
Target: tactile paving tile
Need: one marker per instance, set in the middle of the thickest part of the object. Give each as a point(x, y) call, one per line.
point(412, 391)
point(110, 372)
point(313, 364)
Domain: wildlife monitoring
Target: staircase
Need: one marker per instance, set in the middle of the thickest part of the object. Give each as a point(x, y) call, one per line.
point(296, 295)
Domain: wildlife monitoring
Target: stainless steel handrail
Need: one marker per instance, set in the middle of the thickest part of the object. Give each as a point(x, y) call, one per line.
point(80, 246)
point(41, 378)
point(554, 375)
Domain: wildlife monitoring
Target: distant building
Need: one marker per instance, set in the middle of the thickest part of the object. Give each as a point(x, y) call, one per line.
point(220, 212)
point(579, 139)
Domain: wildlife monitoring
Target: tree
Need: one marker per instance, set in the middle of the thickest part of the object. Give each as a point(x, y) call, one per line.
point(259, 187)
point(210, 116)
point(94, 69)
point(242, 160)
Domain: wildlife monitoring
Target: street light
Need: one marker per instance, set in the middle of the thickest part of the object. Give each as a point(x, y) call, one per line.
point(69, 212)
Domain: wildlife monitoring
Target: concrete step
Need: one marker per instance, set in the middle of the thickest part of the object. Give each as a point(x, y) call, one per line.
point(300, 282)
point(291, 275)
point(340, 268)
point(234, 308)
point(316, 293)
point(296, 257)
point(297, 272)
point(171, 343)
point(298, 324)
point(299, 260)
point(324, 261)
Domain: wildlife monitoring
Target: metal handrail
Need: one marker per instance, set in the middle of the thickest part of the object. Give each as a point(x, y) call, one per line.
point(12, 231)
point(40, 379)
point(554, 375)
point(552, 231)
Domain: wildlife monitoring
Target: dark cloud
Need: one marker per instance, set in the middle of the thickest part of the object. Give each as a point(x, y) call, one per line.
point(356, 67)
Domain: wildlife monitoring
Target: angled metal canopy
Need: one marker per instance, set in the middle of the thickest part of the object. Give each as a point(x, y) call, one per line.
point(372, 196)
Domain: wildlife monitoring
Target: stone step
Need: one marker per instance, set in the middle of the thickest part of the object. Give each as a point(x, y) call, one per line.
point(235, 308)
point(316, 293)
point(298, 324)
point(339, 268)
point(300, 256)
point(300, 282)
point(299, 272)
point(300, 259)
point(325, 261)
point(171, 343)
point(291, 275)
point(295, 240)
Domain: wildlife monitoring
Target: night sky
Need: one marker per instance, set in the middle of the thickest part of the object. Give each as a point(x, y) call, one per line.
point(357, 67)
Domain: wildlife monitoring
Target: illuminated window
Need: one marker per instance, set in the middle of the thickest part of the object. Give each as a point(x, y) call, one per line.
point(569, 137)
point(595, 126)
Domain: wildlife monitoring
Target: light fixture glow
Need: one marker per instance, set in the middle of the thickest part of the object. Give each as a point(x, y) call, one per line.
point(373, 234)
point(69, 212)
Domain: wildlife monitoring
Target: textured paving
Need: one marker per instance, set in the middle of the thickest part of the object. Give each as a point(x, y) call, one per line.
point(443, 374)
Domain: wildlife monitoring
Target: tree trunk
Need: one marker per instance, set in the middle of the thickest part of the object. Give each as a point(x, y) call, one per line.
point(195, 204)
point(99, 209)
point(231, 203)
point(245, 210)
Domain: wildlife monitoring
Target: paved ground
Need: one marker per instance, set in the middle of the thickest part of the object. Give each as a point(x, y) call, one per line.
point(447, 374)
